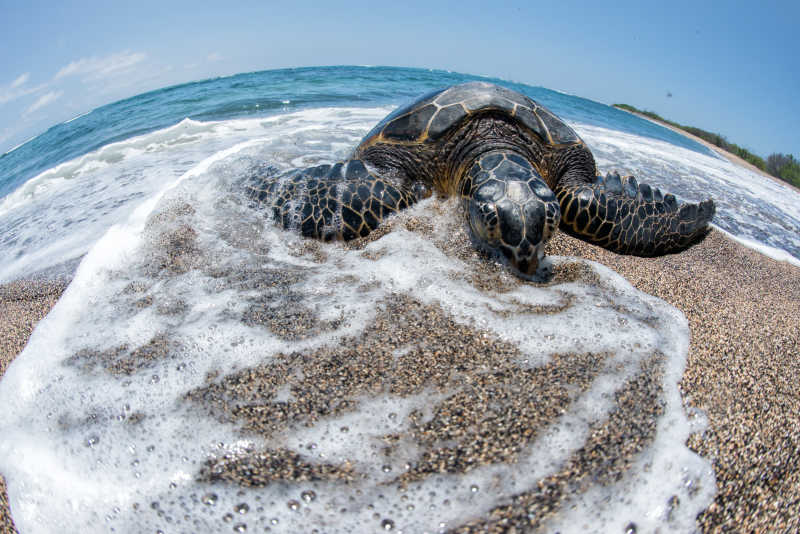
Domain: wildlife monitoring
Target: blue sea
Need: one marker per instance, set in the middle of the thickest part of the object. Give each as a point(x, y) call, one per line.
point(178, 285)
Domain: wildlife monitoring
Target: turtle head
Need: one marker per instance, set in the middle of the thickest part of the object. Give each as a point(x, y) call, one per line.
point(514, 217)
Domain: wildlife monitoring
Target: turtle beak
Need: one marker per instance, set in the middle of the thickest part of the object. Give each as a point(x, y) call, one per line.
point(530, 264)
point(525, 258)
point(517, 233)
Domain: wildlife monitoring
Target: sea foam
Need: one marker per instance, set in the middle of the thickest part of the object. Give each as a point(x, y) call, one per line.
point(124, 411)
point(59, 214)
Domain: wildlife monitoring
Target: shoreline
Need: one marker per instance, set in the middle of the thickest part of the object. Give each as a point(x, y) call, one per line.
point(23, 304)
point(733, 158)
point(740, 370)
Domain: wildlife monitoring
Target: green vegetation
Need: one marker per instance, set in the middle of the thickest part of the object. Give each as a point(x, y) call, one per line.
point(785, 167)
point(782, 166)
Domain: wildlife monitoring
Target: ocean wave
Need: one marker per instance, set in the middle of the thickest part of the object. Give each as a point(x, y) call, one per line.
point(48, 181)
point(76, 117)
point(10, 150)
point(60, 213)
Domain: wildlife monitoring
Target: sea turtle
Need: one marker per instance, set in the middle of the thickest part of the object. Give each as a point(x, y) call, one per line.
point(519, 170)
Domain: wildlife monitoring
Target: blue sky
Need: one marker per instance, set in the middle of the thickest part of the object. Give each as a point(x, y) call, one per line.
point(731, 67)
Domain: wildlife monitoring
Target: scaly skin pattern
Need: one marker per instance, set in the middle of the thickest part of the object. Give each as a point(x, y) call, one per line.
point(630, 218)
point(342, 201)
point(518, 168)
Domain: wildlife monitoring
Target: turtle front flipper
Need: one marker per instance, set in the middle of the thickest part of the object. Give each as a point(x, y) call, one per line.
point(342, 201)
point(630, 218)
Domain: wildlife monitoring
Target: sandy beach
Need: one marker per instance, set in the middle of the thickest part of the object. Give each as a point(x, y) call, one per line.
point(742, 369)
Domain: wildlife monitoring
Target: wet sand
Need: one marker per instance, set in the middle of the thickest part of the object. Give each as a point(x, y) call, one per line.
point(22, 305)
point(742, 368)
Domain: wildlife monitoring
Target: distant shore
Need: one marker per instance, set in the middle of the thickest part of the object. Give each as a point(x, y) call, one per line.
point(742, 369)
point(733, 158)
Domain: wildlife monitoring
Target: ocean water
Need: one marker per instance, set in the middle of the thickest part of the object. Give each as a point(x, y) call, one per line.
point(118, 405)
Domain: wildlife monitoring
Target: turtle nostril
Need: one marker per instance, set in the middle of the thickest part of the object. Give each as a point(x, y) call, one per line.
point(528, 265)
point(525, 249)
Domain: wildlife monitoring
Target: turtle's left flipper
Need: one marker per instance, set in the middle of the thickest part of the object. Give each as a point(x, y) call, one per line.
point(342, 201)
point(630, 218)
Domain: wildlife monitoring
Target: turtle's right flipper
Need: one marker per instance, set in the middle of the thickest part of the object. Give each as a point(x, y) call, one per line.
point(342, 201)
point(623, 216)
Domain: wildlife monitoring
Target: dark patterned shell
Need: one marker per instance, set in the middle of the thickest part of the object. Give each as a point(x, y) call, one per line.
point(430, 117)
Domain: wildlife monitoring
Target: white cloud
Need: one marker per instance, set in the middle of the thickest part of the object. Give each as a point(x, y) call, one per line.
point(214, 56)
point(94, 68)
point(20, 81)
point(16, 89)
point(87, 81)
point(44, 100)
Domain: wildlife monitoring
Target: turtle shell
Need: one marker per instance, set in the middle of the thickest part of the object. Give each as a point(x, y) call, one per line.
point(433, 115)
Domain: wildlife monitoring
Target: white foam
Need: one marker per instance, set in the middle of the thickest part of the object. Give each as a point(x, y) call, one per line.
point(57, 215)
point(78, 116)
point(646, 491)
point(50, 181)
point(770, 252)
point(73, 461)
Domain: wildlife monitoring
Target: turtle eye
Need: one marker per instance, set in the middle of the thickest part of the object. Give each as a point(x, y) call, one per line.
point(484, 221)
point(421, 190)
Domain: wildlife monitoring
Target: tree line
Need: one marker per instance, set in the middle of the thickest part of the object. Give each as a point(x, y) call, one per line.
point(782, 166)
